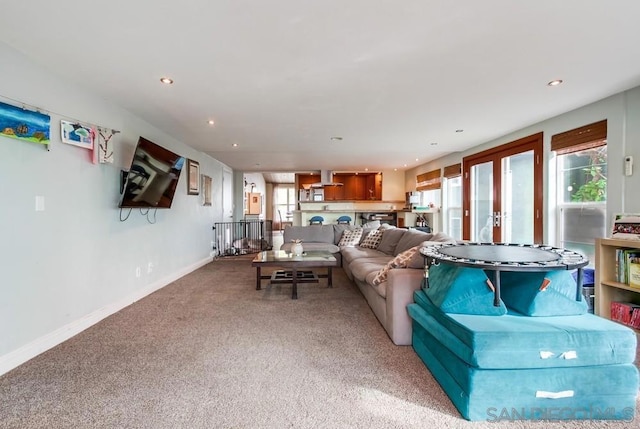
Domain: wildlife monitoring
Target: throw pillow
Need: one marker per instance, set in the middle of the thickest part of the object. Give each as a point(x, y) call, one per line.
point(400, 261)
point(390, 239)
point(462, 290)
point(551, 293)
point(372, 240)
point(350, 238)
point(372, 224)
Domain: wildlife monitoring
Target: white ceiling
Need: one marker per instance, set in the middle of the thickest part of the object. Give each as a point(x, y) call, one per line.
point(280, 78)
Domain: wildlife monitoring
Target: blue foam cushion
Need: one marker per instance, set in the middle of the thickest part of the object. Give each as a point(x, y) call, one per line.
point(589, 392)
point(518, 341)
point(462, 290)
point(522, 292)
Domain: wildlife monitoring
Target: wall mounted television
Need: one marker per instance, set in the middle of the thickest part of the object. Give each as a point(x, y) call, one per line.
point(152, 178)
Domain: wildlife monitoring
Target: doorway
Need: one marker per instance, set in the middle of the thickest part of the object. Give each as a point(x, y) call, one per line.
point(503, 193)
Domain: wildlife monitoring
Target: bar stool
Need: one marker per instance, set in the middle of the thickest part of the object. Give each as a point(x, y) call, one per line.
point(346, 220)
point(316, 220)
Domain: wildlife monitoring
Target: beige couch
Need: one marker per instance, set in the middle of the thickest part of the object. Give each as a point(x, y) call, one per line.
point(388, 298)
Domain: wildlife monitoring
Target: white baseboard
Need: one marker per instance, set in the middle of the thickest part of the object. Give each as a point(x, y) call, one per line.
point(29, 351)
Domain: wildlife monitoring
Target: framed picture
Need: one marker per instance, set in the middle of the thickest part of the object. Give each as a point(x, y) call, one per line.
point(76, 134)
point(206, 190)
point(22, 124)
point(193, 174)
point(626, 226)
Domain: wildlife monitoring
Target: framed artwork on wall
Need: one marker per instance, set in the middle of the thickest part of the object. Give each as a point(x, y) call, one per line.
point(206, 190)
point(193, 176)
point(23, 124)
point(77, 134)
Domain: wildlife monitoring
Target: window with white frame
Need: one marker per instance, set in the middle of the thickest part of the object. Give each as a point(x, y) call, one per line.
point(582, 188)
point(452, 207)
point(452, 201)
point(284, 202)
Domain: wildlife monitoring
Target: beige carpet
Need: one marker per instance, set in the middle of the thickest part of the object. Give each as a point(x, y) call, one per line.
point(209, 351)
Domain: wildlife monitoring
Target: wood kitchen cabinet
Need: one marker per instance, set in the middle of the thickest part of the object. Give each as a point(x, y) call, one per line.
point(355, 187)
point(333, 193)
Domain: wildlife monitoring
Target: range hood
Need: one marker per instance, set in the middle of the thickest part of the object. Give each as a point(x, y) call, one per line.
point(326, 179)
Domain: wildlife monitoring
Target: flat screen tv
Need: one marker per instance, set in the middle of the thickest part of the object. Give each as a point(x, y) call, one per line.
point(152, 178)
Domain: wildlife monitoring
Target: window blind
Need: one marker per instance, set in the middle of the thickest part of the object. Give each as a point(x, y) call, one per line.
point(428, 181)
point(452, 171)
point(582, 138)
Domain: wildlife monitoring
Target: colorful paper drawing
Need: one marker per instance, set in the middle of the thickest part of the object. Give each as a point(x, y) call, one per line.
point(22, 124)
point(77, 134)
point(105, 145)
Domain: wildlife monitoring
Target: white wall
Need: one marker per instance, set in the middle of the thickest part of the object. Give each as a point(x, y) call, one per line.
point(74, 263)
point(622, 112)
point(393, 185)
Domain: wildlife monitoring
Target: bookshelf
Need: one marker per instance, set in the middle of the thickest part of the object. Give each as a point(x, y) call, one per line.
point(607, 289)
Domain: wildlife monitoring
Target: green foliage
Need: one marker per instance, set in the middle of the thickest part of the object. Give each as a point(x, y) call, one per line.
point(593, 190)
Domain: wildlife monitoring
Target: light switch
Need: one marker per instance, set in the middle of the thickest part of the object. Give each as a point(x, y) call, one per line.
point(39, 203)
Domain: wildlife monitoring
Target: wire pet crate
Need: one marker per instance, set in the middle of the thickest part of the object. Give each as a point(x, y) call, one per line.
point(242, 237)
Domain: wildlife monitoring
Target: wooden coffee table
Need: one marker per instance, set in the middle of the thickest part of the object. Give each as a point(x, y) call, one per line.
point(294, 266)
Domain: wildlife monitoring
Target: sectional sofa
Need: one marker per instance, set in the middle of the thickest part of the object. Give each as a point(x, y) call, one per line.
point(384, 262)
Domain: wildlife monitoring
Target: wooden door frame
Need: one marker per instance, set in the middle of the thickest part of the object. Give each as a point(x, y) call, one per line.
point(533, 142)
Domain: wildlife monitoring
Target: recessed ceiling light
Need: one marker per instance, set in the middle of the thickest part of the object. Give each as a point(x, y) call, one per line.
point(235, 145)
point(459, 130)
point(416, 159)
point(210, 122)
point(395, 169)
point(336, 138)
point(405, 165)
point(555, 82)
point(366, 169)
point(166, 80)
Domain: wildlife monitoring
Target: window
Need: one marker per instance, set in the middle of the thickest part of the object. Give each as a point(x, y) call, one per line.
point(452, 207)
point(428, 185)
point(430, 198)
point(452, 201)
point(284, 203)
point(582, 187)
point(582, 194)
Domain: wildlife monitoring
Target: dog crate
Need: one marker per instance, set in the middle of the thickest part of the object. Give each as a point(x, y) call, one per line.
point(242, 237)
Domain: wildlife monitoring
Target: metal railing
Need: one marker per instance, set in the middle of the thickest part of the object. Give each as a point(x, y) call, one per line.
point(242, 237)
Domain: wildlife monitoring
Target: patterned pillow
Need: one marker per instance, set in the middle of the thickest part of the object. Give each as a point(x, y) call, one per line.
point(401, 261)
point(372, 239)
point(350, 237)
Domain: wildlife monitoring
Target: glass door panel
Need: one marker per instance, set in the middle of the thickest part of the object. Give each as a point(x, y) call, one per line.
point(482, 202)
point(517, 199)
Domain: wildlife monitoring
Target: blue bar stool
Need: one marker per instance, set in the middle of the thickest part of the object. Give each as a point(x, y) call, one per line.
point(344, 220)
point(316, 220)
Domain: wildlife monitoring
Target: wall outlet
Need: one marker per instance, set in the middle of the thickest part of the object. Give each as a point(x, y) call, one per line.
point(39, 203)
point(138, 272)
point(628, 165)
point(149, 267)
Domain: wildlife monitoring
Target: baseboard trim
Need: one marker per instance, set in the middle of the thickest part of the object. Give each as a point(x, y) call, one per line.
point(29, 351)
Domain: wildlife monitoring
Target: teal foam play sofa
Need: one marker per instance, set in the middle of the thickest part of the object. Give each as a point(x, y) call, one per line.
point(534, 363)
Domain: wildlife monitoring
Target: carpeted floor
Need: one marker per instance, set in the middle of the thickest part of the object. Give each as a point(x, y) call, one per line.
point(209, 351)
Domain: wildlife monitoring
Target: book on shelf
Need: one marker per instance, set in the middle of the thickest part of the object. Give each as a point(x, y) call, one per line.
point(635, 318)
point(634, 271)
point(628, 262)
point(626, 313)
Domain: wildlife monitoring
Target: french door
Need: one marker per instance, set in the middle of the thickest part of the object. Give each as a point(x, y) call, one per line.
point(503, 194)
